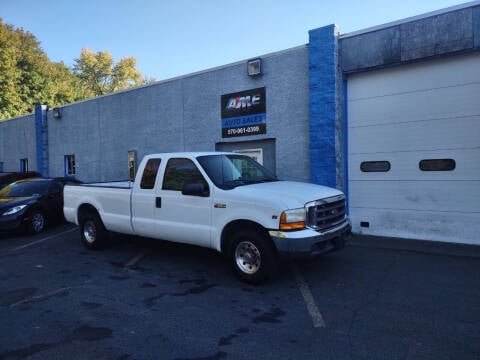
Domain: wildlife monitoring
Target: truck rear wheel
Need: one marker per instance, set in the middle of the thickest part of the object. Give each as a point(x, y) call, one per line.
point(253, 257)
point(92, 231)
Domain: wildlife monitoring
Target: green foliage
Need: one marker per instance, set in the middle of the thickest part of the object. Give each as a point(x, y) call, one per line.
point(98, 73)
point(28, 77)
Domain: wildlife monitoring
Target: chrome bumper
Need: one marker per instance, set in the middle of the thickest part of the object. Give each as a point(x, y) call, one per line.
point(309, 243)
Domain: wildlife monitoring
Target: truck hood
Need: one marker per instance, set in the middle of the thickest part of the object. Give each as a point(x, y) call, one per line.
point(290, 194)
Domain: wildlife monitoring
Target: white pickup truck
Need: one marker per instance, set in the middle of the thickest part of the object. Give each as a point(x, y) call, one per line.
point(224, 201)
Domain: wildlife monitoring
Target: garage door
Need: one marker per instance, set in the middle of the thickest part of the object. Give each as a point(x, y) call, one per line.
point(414, 150)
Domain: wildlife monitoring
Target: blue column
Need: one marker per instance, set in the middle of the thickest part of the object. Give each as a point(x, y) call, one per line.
point(322, 51)
point(41, 135)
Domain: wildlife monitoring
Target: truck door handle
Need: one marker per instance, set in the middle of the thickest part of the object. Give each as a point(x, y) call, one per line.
point(158, 202)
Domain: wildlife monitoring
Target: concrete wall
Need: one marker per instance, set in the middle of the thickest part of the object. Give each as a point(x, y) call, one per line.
point(183, 114)
point(17, 141)
point(304, 101)
point(433, 35)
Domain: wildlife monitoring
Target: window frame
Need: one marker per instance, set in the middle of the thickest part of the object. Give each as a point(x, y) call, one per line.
point(24, 165)
point(69, 165)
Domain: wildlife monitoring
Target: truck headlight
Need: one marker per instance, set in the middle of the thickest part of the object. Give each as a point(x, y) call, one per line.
point(293, 219)
point(14, 210)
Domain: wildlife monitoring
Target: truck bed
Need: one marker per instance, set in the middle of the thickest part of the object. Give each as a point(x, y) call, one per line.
point(110, 199)
point(123, 184)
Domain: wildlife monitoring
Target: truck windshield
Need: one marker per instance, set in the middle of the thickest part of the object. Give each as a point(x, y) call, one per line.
point(230, 171)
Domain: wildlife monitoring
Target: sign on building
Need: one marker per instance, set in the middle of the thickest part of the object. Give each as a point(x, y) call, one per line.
point(244, 113)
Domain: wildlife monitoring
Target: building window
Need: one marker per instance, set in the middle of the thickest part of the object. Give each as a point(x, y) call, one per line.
point(23, 165)
point(375, 166)
point(70, 165)
point(255, 154)
point(437, 165)
point(150, 174)
point(1, 166)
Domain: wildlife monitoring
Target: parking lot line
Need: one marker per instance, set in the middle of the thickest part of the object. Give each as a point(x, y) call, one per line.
point(312, 308)
point(41, 297)
point(42, 240)
point(134, 260)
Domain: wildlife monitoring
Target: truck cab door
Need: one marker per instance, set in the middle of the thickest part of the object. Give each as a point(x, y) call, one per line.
point(143, 200)
point(184, 204)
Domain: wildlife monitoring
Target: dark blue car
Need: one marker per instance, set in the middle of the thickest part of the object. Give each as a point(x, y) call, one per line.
point(31, 204)
point(7, 178)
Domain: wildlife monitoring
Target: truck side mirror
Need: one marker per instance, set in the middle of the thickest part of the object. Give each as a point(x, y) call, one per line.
point(196, 189)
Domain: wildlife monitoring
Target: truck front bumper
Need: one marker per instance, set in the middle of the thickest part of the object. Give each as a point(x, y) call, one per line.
point(310, 243)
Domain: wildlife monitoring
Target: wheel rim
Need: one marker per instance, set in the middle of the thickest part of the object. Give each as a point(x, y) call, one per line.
point(38, 222)
point(247, 257)
point(89, 231)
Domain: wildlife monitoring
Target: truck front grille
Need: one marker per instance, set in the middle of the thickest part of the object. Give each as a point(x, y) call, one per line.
point(326, 213)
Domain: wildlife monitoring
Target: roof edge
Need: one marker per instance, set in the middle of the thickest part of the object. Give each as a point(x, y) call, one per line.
point(411, 19)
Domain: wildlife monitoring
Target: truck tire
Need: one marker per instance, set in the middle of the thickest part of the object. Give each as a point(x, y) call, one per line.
point(92, 231)
point(37, 222)
point(253, 257)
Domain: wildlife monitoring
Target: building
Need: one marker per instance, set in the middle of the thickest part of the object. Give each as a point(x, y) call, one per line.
point(389, 114)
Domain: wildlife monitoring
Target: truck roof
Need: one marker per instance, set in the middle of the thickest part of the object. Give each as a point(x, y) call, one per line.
point(190, 154)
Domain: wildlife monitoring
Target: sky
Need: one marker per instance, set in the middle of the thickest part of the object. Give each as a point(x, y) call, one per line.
point(179, 37)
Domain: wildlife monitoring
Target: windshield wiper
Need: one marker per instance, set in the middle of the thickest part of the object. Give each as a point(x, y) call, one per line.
point(240, 182)
point(234, 183)
point(268, 180)
point(258, 181)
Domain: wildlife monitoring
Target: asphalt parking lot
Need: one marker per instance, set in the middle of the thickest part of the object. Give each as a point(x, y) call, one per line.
point(146, 299)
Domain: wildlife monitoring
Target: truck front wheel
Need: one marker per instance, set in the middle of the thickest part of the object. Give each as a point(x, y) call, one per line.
point(92, 231)
point(254, 258)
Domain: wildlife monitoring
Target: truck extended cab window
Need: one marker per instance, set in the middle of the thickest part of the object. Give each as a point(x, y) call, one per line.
point(150, 174)
point(180, 172)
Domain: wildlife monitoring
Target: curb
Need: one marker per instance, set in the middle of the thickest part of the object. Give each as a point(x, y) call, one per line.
point(422, 246)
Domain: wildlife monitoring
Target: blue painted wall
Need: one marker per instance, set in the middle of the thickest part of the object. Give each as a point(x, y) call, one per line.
point(323, 104)
point(41, 137)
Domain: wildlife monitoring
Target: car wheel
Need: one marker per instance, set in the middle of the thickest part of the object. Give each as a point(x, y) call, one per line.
point(253, 256)
point(37, 222)
point(92, 231)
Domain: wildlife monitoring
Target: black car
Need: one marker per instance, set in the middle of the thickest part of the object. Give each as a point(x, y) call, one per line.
point(9, 177)
point(32, 203)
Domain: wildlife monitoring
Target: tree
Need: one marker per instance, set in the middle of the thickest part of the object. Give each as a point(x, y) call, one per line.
point(28, 77)
point(99, 75)
point(10, 102)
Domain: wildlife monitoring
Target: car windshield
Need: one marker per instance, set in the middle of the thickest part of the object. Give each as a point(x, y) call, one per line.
point(230, 171)
point(25, 189)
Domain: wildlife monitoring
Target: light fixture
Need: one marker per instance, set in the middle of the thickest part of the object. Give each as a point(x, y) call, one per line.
point(57, 114)
point(254, 67)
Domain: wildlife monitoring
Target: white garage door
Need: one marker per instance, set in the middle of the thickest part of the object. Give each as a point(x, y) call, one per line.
point(424, 115)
